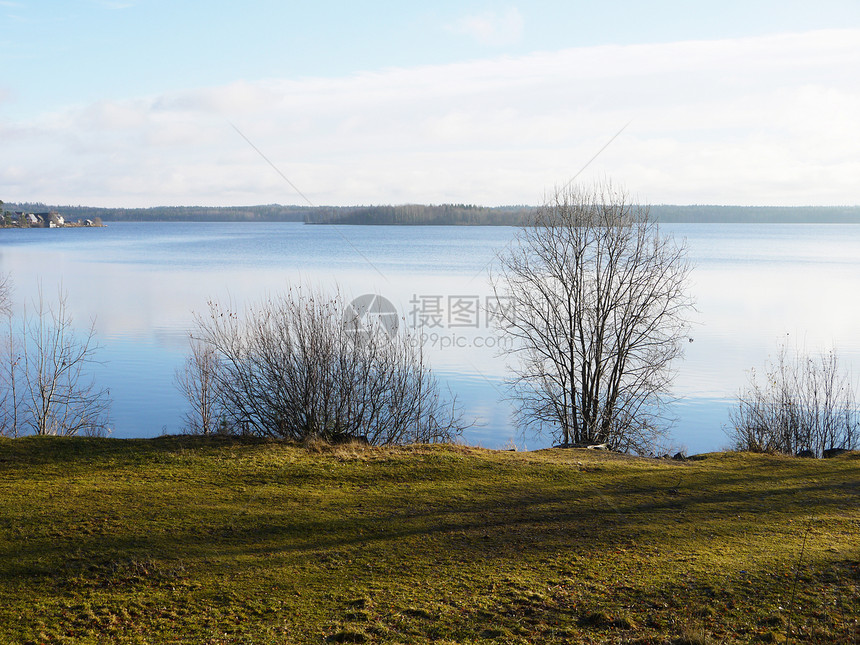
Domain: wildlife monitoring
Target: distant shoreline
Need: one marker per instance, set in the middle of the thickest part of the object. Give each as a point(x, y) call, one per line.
point(441, 215)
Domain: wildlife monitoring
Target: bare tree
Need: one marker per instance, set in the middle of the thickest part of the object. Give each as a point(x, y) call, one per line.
point(5, 294)
point(10, 392)
point(595, 298)
point(198, 380)
point(59, 394)
point(304, 365)
point(805, 404)
point(11, 396)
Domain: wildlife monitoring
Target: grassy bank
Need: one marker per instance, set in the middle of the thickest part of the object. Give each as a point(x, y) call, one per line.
point(226, 541)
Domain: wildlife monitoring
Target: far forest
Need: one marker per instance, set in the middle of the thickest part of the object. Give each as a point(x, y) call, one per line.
point(435, 214)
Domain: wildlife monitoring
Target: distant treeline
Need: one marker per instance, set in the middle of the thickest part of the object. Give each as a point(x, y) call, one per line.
point(443, 214)
point(461, 214)
point(419, 215)
point(757, 214)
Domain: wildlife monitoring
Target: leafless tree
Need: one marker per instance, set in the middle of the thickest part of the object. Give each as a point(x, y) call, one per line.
point(11, 397)
point(59, 394)
point(199, 383)
point(5, 294)
point(10, 391)
point(304, 365)
point(805, 404)
point(595, 298)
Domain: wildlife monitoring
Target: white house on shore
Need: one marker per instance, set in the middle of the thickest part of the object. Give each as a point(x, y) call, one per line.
point(52, 219)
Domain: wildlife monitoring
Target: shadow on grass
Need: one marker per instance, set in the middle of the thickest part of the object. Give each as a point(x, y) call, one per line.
point(549, 509)
point(524, 542)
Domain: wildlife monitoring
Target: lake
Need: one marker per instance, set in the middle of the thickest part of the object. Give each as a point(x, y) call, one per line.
point(142, 283)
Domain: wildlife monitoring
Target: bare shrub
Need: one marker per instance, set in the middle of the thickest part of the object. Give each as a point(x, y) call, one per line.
point(595, 300)
point(60, 395)
point(303, 365)
point(198, 381)
point(806, 403)
point(11, 394)
point(10, 390)
point(5, 294)
point(46, 380)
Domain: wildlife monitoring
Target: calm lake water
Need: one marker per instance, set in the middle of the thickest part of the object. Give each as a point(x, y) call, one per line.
point(142, 283)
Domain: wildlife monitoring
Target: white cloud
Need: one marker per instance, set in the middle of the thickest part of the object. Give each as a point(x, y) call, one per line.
point(767, 120)
point(491, 27)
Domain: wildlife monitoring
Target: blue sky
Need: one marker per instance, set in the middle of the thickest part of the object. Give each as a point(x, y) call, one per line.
point(133, 102)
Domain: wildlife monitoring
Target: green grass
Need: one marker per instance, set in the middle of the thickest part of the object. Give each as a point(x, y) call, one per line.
point(189, 540)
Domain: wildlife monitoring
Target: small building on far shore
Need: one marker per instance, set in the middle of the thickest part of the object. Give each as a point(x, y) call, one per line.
point(52, 219)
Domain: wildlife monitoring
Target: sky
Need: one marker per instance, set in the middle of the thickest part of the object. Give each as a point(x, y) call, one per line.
point(135, 103)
